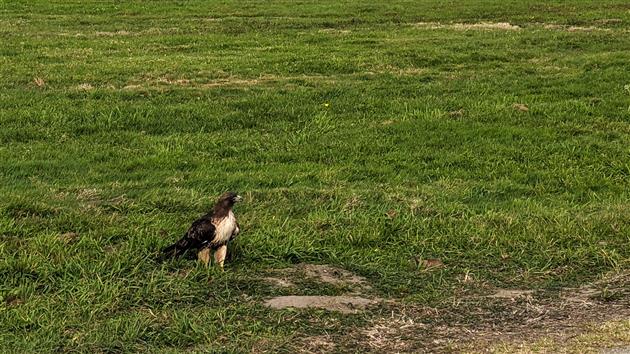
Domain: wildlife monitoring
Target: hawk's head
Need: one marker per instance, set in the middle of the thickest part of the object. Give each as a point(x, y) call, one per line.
point(229, 199)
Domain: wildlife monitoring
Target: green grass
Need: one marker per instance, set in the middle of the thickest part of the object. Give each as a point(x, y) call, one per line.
point(325, 116)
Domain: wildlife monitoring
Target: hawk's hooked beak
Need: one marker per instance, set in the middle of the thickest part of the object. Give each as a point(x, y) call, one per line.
point(238, 198)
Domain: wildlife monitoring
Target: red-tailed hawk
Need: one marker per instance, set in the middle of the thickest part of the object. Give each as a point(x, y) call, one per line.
point(212, 231)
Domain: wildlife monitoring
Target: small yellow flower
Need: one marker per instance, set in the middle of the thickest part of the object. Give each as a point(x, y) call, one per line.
point(326, 104)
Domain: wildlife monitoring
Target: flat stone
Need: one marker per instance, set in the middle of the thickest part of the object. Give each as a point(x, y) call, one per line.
point(343, 304)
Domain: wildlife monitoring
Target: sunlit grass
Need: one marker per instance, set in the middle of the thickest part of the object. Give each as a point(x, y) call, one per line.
point(359, 135)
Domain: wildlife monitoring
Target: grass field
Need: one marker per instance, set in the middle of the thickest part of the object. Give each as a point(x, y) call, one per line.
point(492, 135)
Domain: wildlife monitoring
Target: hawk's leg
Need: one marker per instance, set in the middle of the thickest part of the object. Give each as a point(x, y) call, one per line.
point(219, 255)
point(204, 256)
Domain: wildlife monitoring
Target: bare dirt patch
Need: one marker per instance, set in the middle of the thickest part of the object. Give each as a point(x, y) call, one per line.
point(331, 275)
point(456, 114)
point(619, 350)
point(504, 26)
point(113, 34)
point(430, 263)
point(69, 237)
point(179, 82)
point(389, 334)
point(161, 83)
point(480, 326)
point(39, 82)
point(606, 21)
point(520, 107)
point(514, 318)
point(85, 87)
point(343, 304)
point(502, 318)
point(508, 320)
point(586, 29)
point(592, 338)
point(319, 273)
point(511, 294)
point(318, 344)
point(609, 289)
point(13, 301)
point(279, 282)
point(132, 87)
point(487, 25)
point(88, 194)
point(557, 27)
point(232, 82)
point(334, 31)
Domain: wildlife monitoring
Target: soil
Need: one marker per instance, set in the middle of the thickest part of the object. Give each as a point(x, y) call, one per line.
point(477, 323)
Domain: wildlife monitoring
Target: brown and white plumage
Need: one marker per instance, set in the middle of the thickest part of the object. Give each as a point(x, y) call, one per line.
point(212, 231)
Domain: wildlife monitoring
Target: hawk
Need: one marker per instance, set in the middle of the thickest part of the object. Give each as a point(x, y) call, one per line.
point(212, 231)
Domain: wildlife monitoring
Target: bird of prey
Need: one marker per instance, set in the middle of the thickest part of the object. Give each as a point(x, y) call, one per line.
point(212, 231)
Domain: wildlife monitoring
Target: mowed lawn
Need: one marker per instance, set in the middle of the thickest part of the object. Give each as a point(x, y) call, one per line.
point(491, 135)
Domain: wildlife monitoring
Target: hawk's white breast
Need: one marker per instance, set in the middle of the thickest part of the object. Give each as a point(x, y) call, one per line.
point(225, 228)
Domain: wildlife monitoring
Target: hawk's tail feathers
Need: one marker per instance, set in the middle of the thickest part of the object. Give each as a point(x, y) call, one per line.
point(176, 249)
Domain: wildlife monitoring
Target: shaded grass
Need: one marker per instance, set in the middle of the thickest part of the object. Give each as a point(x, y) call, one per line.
point(119, 121)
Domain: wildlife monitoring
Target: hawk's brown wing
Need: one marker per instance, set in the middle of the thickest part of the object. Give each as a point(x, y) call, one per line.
point(202, 231)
